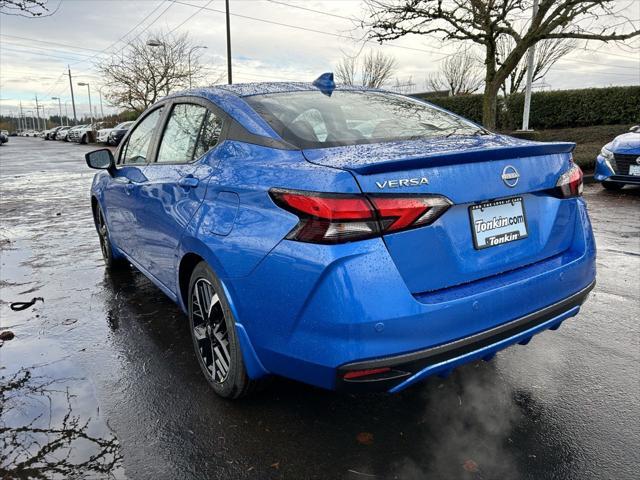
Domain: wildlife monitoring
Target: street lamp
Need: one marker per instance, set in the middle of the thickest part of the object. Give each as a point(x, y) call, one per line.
point(85, 84)
point(59, 107)
point(158, 43)
point(101, 110)
point(189, 57)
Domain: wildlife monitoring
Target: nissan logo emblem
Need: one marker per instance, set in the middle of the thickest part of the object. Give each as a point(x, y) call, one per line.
point(510, 176)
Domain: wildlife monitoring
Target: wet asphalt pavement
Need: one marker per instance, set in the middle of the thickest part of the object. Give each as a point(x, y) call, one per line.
point(103, 370)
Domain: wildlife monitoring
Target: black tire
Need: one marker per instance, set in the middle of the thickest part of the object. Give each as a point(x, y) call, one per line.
point(112, 261)
point(83, 140)
point(210, 331)
point(614, 187)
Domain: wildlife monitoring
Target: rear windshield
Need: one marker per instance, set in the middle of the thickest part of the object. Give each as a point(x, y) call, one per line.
point(312, 119)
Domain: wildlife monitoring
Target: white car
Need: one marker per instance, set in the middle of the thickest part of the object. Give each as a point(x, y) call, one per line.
point(103, 135)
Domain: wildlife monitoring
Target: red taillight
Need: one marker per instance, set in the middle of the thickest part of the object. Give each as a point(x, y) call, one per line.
point(570, 183)
point(336, 218)
point(398, 213)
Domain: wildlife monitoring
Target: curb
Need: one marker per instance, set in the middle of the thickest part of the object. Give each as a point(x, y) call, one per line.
point(588, 179)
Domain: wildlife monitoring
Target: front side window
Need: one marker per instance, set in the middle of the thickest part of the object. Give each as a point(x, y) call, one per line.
point(137, 148)
point(310, 119)
point(191, 131)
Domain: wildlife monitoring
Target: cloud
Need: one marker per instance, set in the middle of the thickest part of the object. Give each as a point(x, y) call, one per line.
point(261, 51)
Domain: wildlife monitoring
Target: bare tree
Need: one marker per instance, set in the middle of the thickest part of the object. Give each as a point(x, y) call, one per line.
point(373, 71)
point(485, 22)
point(37, 448)
point(26, 8)
point(548, 52)
point(460, 75)
point(140, 74)
point(404, 86)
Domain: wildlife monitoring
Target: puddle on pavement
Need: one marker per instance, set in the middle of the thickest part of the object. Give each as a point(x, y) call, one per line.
point(50, 420)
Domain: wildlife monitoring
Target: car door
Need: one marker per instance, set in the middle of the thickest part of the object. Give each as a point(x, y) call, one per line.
point(121, 195)
point(175, 185)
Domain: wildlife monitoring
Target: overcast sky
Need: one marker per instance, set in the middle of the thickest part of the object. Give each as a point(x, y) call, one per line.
point(35, 52)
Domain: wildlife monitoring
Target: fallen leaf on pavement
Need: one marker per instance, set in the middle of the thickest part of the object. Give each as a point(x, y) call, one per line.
point(365, 438)
point(470, 466)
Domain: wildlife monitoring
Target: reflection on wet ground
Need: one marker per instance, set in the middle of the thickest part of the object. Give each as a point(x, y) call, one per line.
point(100, 380)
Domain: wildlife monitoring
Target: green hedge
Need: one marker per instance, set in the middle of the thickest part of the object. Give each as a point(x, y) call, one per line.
point(469, 106)
point(555, 109)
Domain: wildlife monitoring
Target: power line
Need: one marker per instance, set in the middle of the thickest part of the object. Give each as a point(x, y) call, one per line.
point(41, 54)
point(310, 10)
point(49, 42)
point(104, 50)
point(191, 16)
point(320, 32)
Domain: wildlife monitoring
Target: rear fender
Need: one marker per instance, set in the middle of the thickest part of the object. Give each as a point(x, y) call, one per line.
point(188, 245)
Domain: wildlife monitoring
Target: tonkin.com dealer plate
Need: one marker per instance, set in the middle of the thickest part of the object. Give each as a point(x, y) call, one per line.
point(498, 222)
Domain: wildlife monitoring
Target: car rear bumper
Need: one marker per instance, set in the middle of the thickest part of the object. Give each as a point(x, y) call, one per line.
point(412, 367)
point(321, 312)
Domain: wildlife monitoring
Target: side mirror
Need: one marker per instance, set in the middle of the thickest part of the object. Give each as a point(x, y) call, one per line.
point(635, 128)
point(100, 159)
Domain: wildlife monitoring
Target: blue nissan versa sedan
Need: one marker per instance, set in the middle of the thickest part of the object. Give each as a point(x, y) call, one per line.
point(344, 237)
point(619, 161)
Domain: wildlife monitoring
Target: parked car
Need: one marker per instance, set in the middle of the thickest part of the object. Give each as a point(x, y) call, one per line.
point(118, 132)
point(79, 134)
point(4, 136)
point(69, 134)
point(51, 134)
point(347, 260)
point(619, 161)
point(62, 133)
point(103, 135)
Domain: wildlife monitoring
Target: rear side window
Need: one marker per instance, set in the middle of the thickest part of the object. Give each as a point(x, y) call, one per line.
point(139, 142)
point(209, 135)
point(191, 131)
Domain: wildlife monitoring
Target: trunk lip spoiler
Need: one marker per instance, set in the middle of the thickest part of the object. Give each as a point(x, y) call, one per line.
point(436, 159)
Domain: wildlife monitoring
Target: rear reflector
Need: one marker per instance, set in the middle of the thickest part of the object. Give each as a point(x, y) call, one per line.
point(337, 218)
point(365, 373)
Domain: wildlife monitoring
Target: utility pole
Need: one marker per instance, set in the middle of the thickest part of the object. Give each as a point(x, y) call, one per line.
point(22, 118)
point(530, 58)
point(73, 101)
point(38, 112)
point(229, 77)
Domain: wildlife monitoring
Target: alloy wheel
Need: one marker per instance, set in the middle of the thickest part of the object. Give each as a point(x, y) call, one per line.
point(210, 330)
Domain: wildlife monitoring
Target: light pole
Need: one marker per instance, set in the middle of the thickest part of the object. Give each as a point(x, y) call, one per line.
point(158, 43)
point(189, 57)
point(101, 110)
point(66, 111)
point(59, 107)
point(86, 84)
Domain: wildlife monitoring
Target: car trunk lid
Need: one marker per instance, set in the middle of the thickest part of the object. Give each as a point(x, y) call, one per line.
point(468, 171)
